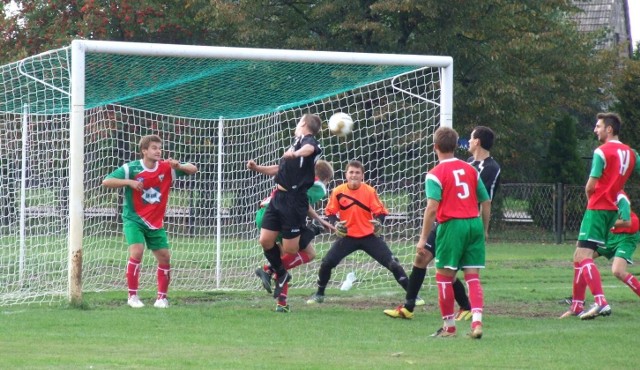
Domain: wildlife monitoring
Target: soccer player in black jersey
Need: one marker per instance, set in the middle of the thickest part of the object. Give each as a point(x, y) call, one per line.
point(287, 211)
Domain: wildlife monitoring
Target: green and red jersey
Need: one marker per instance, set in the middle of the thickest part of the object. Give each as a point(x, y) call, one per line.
point(146, 207)
point(612, 165)
point(455, 184)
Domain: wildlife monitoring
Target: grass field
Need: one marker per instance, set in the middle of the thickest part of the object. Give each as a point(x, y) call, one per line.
point(523, 284)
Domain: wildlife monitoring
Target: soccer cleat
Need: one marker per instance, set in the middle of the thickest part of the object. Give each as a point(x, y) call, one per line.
point(420, 301)
point(161, 303)
point(282, 308)
point(570, 313)
point(476, 333)
point(595, 311)
point(444, 332)
point(399, 312)
point(567, 300)
point(265, 277)
point(135, 302)
point(280, 283)
point(463, 315)
point(316, 298)
point(315, 228)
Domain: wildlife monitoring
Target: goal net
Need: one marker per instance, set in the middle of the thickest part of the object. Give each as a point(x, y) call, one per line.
point(71, 116)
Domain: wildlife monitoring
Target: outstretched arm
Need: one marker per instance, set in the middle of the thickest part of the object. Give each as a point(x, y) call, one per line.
point(187, 168)
point(265, 170)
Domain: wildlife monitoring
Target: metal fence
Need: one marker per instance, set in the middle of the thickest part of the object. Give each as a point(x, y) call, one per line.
point(546, 213)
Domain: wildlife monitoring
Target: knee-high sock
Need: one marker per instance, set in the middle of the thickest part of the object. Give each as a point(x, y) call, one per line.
point(164, 277)
point(282, 298)
point(133, 275)
point(591, 274)
point(273, 256)
point(476, 297)
point(632, 282)
point(294, 260)
point(460, 295)
point(416, 278)
point(579, 289)
point(445, 297)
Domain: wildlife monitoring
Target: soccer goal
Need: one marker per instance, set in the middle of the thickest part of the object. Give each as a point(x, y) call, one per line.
point(72, 115)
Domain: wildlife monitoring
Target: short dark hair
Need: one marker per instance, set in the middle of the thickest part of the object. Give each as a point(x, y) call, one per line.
point(313, 122)
point(446, 139)
point(486, 136)
point(324, 170)
point(611, 119)
point(145, 141)
point(357, 164)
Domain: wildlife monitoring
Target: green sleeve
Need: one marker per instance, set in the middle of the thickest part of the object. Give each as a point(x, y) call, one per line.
point(637, 167)
point(117, 174)
point(597, 165)
point(624, 209)
point(432, 188)
point(482, 193)
point(316, 193)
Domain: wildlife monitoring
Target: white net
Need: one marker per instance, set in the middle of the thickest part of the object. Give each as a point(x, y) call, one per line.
point(210, 219)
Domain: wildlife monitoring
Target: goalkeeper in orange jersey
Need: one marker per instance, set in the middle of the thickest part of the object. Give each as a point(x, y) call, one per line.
point(306, 254)
point(361, 214)
point(147, 184)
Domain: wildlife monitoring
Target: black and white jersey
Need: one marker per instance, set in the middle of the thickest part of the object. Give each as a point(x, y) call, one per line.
point(489, 173)
point(298, 174)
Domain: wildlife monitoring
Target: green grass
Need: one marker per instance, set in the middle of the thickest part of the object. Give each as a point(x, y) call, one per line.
point(239, 330)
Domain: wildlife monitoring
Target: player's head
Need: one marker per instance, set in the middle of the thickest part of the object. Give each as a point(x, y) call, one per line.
point(354, 174)
point(311, 122)
point(324, 171)
point(607, 124)
point(483, 136)
point(151, 147)
point(445, 140)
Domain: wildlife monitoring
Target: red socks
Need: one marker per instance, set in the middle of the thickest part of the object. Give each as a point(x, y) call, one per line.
point(476, 295)
point(579, 289)
point(633, 283)
point(445, 296)
point(591, 274)
point(133, 276)
point(164, 276)
point(290, 261)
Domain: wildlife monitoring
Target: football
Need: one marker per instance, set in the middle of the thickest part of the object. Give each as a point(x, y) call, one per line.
point(340, 124)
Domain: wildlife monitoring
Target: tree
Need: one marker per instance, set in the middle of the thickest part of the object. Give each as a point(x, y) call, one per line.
point(41, 25)
point(516, 64)
point(563, 163)
point(627, 93)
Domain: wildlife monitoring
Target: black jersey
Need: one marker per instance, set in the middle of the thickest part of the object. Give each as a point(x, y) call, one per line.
point(489, 173)
point(298, 174)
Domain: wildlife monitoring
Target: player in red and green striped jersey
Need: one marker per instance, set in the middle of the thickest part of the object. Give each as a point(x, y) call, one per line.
point(454, 190)
point(613, 163)
point(147, 184)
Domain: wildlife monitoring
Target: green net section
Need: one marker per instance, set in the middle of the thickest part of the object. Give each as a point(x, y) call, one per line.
point(189, 87)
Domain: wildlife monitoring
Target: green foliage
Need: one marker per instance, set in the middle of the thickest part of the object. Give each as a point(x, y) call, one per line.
point(562, 163)
point(627, 91)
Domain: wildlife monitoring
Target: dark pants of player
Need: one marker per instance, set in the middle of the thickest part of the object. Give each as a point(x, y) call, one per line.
point(417, 278)
point(372, 245)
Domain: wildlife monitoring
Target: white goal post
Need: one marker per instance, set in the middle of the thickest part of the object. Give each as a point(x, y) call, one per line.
point(118, 91)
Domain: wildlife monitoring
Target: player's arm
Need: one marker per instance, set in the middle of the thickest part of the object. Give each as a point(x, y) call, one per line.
point(315, 216)
point(624, 213)
point(597, 166)
point(637, 167)
point(485, 207)
point(305, 151)
point(187, 168)
point(490, 177)
point(428, 219)
point(117, 179)
point(265, 170)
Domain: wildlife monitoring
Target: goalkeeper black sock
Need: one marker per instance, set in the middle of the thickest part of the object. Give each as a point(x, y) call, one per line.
point(415, 283)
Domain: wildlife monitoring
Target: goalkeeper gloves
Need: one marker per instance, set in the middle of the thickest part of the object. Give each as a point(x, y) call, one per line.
point(377, 227)
point(341, 229)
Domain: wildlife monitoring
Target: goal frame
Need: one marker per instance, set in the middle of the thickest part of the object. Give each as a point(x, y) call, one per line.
point(79, 50)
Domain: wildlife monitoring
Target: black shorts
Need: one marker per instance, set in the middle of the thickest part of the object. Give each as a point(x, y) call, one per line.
point(287, 213)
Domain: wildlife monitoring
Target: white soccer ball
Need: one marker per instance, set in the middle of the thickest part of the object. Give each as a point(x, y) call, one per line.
point(340, 124)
